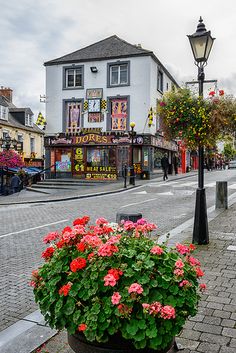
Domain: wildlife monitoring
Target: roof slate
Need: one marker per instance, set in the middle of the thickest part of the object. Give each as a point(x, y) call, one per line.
point(108, 48)
point(112, 47)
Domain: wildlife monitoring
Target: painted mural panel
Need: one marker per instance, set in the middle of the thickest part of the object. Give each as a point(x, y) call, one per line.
point(73, 112)
point(119, 114)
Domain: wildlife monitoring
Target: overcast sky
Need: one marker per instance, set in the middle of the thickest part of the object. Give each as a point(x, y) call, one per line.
point(33, 32)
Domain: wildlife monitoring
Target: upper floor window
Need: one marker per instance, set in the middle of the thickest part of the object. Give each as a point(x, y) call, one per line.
point(32, 144)
point(20, 138)
point(3, 112)
point(160, 80)
point(118, 74)
point(28, 120)
point(73, 77)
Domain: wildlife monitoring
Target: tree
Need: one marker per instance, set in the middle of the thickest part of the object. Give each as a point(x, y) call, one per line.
point(229, 151)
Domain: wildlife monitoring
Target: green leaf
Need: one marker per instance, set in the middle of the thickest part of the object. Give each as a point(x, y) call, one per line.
point(151, 332)
point(77, 316)
point(142, 324)
point(140, 335)
point(132, 327)
point(69, 307)
point(155, 342)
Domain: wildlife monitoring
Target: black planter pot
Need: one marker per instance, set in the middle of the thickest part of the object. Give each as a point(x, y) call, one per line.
point(116, 344)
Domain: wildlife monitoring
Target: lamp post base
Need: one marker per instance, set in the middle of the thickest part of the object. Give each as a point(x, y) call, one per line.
point(200, 229)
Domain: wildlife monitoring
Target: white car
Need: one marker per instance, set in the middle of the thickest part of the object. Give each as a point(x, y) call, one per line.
point(232, 164)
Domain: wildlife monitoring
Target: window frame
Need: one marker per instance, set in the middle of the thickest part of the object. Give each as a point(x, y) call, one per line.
point(118, 64)
point(4, 112)
point(32, 139)
point(65, 83)
point(160, 80)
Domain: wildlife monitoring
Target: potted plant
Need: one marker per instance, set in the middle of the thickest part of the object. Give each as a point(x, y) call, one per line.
point(196, 120)
point(114, 289)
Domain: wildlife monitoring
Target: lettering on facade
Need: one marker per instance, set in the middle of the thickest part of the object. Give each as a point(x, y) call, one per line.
point(62, 140)
point(101, 176)
point(79, 160)
point(92, 138)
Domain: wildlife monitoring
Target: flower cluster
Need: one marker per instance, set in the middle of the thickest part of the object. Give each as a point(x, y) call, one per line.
point(11, 159)
point(107, 278)
point(196, 120)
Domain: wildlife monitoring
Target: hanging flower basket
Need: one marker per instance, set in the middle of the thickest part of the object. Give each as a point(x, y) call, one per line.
point(10, 159)
point(195, 120)
point(106, 281)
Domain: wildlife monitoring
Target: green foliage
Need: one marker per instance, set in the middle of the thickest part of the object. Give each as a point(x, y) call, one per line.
point(196, 120)
point(112, 279)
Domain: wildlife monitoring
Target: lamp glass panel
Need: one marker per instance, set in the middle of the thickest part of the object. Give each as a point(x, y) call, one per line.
point(209, 46)
point(199, 47)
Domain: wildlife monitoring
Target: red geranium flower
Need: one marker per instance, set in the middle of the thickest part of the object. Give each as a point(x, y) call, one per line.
point(65, 289)
point(48, 253)
point(77, 264)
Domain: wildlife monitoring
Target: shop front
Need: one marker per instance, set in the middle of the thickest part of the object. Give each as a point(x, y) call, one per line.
point(93, 155)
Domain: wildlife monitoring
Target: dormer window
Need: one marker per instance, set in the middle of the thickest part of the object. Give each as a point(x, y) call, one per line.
point(28, 120)
point(3, 112)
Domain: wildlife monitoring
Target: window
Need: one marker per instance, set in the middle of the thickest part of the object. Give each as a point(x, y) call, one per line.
point(119, 116)
point(3, 112)
point(118, 74)
point(28, 120)
point(73, 77)
point(72, 118)
point(32, 144)
point(20, 138)
point(101, 157)
point(160, 80)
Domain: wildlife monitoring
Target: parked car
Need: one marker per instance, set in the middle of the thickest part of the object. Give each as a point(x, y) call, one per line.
point(232, 164)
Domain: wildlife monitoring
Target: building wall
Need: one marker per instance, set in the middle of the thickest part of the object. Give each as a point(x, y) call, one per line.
point(142, 92)
point(13, 133)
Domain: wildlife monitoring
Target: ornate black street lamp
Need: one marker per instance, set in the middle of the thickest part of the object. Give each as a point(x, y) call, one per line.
point(201, 43)
point(132, 173)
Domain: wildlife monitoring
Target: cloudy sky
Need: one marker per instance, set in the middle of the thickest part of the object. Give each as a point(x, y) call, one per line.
point(34, 32)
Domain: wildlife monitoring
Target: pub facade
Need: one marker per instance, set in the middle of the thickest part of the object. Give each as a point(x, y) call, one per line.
point(92, 96)
point(96, 155)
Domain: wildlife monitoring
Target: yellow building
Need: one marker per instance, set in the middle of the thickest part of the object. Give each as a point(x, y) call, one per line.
point(26, 137)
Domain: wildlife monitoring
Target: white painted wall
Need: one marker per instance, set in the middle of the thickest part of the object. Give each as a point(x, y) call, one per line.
point(142, 91)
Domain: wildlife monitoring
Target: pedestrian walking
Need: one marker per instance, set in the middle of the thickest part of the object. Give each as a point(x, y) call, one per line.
point(165, 166)
point(15, 183)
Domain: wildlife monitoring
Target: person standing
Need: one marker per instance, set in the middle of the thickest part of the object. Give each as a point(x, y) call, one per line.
point(15, 183)
point(176, 163)
point(165, 166)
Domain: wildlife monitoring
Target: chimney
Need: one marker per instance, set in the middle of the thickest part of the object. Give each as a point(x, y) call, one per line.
point(7, 93)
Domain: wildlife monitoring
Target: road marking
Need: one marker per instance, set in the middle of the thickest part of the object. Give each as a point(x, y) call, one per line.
point(28, 229)
point(233, 186)
point(168, 193)
point(137, 203)
point(140, 192)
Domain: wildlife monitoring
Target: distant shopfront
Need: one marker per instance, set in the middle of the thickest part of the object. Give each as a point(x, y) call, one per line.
point(93, 155)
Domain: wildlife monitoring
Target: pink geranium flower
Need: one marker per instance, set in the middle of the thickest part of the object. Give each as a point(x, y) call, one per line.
point(168, 312)
point(116, 297)
point(179, 264)
point(109, 280)
point(157, 250)
point(135, 288)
